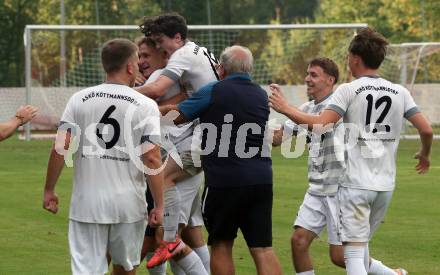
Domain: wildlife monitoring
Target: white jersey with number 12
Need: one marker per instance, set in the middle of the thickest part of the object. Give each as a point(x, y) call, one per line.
point(373, 111)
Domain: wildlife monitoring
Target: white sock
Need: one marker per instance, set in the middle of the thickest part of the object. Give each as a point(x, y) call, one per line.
point(203, 253)
point(310, 272)
point(157, 270)
point(354, 260)
point(175, 268)
point(367, 257)
point(377, 268)
point(192, 265)
point(171, 214)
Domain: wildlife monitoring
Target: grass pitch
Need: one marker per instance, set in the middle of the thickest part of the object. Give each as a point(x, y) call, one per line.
point(33, 241)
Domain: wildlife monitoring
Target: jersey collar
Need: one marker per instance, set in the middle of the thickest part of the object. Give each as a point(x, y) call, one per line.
point(370, 76)
point(245, 76)
point(324, 98)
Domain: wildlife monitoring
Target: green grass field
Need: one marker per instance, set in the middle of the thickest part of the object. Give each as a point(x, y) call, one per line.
point(33, 241)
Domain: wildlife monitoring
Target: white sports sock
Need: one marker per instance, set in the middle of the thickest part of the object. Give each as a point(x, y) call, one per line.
point(354, 260)
point(157, 270)
point(377, 268)
point(192, 265)
point(203, 253)
point(367, 257)
point(310, 272)
point(175, 268)
point(171, 214)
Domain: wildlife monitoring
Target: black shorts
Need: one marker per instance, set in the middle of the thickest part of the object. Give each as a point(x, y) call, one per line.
point(149, 231)
point(249, 208)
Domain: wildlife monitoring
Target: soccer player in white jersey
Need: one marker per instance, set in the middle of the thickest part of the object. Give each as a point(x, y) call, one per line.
point(115, 132)
point(373, 109)
point(193, 67)
point(152, 60)
point(326, 170)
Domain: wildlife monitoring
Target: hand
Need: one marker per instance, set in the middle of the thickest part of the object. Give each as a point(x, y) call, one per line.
point(155, 218)
point(140, 79)
point(50, 201)
point(26, 113)
point(276, 100)
point(423, 165)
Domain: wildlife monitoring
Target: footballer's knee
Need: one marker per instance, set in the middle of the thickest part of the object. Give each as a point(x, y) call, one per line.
point(300, 240)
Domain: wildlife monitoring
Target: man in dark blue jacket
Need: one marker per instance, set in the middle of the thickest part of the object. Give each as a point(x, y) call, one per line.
point(238, 194)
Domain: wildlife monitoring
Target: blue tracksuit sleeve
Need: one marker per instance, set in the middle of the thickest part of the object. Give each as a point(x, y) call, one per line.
point(194, 106)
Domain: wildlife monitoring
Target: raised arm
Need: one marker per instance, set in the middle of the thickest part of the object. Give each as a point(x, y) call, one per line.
point(22, 116)
point(279, 103)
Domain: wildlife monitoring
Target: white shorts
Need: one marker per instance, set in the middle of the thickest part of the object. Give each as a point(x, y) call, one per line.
point(188, 163)
point(89, 243)
point(317, 212)
point(361, 212)
point(186, 156)
point(190, 213)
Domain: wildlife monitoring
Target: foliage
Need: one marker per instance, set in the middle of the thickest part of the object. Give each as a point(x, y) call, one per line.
point(15, 15)
point(241, 12)
point(399, 20)
point(288, 53)
point(19, 13)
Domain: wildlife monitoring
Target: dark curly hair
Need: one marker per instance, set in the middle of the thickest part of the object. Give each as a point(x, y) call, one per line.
point(168, 24)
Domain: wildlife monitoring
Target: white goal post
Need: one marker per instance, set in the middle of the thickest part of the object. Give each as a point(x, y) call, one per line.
point(57, 64)
point(280, 52)
point(416, 66)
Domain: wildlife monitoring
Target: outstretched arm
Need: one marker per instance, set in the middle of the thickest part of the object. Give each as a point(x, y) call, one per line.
point(157, 88)
point(23, 115)
point(425, 131)
point(174, 100)
point(279, 103)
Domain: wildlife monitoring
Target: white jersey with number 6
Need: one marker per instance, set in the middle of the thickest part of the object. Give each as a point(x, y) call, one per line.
point(109, 182)
point(373, 110)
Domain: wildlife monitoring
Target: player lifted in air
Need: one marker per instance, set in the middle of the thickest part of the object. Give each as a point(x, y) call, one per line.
point(152, 60)
point(193, 67)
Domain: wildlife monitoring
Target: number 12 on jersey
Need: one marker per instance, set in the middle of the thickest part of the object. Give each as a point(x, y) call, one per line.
point(378, 127)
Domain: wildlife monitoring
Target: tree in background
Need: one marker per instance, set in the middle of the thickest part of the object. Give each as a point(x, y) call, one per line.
point(398, 20)
point(46, 59)
point(14, 14)
point(224, 12)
